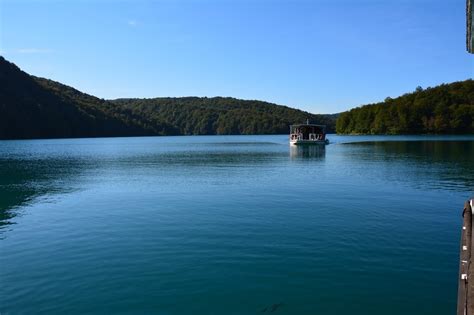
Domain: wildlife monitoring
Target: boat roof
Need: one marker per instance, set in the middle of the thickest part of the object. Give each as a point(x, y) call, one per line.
point(312, 125)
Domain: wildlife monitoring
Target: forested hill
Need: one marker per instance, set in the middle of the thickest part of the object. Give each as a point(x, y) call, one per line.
point(32, 107)
point(445, 109)
point(221, 115)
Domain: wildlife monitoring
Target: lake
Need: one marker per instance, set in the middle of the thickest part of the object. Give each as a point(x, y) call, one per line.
point(232, 225)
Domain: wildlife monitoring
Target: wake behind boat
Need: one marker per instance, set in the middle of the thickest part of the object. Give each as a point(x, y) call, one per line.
point(307, 134)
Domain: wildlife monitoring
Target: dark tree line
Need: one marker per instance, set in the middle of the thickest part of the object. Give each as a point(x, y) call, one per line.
point(220, 115)
point(445, 109)
point(32, 107)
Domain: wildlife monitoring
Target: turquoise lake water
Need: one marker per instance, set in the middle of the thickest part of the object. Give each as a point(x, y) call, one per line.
point(232, 225)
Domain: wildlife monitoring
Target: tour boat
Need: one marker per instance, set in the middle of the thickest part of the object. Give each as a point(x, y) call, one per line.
point(308, 134)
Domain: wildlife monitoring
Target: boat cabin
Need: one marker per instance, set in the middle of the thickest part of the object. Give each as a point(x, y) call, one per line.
point(308, 134)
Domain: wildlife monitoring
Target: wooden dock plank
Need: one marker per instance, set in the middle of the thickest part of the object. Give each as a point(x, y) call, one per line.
point(466, 260)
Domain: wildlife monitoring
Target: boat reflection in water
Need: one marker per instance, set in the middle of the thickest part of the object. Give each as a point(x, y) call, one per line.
point(307, 151)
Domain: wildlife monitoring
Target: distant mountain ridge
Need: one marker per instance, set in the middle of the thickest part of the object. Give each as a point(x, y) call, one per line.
point(33, 107)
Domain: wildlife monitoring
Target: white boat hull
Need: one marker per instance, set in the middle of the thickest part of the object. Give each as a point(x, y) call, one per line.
point(308, 142)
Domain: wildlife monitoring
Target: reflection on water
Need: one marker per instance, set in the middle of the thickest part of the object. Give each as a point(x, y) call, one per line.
point(434, 164)
point(307, 151)
point(167, 224)
point(22, 181)
point(26, 176)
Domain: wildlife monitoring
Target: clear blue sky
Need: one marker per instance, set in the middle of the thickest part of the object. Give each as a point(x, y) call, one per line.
point(321, 56)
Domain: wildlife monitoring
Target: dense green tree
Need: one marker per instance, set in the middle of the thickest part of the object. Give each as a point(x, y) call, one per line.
point(32, 107)
point(221, 115)
point(445, 109)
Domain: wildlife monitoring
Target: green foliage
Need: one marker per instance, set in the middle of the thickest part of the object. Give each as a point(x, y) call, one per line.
point(220, 115)
point(32, 107)
point(445, 109)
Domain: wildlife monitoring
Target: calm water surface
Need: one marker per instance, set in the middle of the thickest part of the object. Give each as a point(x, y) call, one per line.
point(232, 225)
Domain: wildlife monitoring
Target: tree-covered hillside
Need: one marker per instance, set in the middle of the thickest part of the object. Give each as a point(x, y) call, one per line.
point(32, 107)
point(221, 115)
point(445, 109)
point(38, 108)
